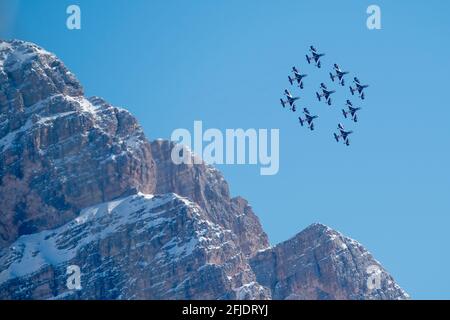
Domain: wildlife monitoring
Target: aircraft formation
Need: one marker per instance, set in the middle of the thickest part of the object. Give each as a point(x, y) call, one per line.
point(296, 78)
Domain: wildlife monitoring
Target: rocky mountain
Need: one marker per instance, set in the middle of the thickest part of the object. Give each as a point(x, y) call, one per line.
point(81, 185)
point(137, 247)
point(320, 263)
point(60, 152)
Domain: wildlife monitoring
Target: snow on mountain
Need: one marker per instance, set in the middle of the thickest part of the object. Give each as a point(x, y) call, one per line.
point(164, 239)
point(80, 184)
point(321, 263)
point(59, 151)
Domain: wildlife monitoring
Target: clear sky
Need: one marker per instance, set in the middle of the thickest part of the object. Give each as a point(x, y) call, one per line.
point(226, 63)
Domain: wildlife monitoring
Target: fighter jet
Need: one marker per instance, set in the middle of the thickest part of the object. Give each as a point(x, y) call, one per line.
point(342, 134)
point(339, 74)
point(308, 119)
point(297, 77)
point(325, 93)
point(289, 100)
point(351, 111)
point(358, 88)
point(314, 56)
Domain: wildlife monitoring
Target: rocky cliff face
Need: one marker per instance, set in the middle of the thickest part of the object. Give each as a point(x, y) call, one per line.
point(60, 152)
point(320, 263)
point(207, 187)
point(81, 185)
point(138, 247)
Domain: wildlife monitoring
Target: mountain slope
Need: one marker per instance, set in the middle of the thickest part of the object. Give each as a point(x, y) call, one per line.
point(206, 186)
point(138, 247)
point(81, 185)
point(60, 152)
point(320, 263)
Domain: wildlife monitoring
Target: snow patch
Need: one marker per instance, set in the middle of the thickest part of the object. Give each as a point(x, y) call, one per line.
point(31, 253)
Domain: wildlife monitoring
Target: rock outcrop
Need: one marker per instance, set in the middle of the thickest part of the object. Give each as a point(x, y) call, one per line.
point(60, 152)
point(81, 185)
point(206, 186)
point(320, 263)
point(138, 247)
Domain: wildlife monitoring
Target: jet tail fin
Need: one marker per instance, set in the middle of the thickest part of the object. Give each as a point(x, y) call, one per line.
point(336, 137)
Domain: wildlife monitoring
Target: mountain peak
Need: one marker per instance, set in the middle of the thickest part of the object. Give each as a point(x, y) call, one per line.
point(81, 184)
point(319, 258)
point(20, 52)
point(318, 227)
point(39, 73)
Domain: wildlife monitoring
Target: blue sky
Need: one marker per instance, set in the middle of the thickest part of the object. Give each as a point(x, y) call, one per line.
point(226, 63)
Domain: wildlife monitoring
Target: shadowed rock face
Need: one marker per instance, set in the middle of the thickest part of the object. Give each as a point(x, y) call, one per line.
point(77, 185)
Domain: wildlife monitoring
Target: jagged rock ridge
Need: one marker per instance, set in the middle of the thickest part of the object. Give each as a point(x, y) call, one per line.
point(80, 184)
point(320, 263)
point(138, 247)
point(60, 152)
